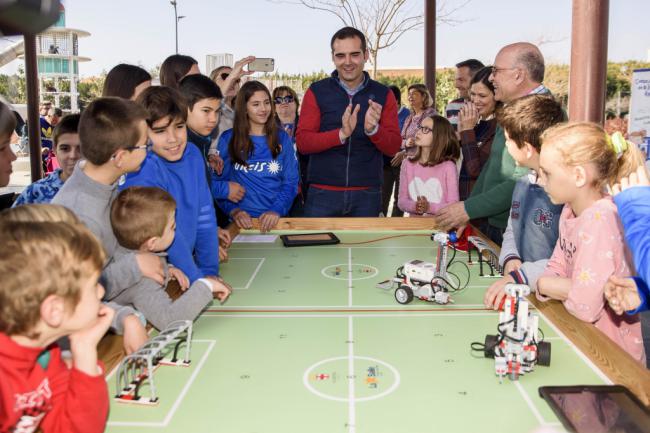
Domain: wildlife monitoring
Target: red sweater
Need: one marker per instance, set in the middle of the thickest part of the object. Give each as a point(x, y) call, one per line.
point(52, 399)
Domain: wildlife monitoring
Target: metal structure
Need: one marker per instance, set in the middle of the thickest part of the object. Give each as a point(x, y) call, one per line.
point(139, 367)
point(57, 57)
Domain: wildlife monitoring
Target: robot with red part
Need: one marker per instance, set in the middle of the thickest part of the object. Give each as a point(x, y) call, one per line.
point(424, 280)
point(517, 348)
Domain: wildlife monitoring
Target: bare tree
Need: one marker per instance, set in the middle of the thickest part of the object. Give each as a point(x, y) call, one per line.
point(383, 22)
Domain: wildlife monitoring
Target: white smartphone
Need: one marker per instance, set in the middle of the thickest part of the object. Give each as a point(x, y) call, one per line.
point(262, 64)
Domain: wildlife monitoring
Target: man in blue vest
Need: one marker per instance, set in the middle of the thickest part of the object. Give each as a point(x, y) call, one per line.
point(347, 122)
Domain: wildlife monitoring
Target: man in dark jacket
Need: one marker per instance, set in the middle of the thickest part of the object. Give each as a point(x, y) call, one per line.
point(346, 123)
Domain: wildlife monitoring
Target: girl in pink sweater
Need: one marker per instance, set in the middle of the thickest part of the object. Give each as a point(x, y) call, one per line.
point(429, 179)
point(577, 161)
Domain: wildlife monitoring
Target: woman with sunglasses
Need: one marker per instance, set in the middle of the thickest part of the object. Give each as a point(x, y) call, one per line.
point(259, 156)
point(286, 113)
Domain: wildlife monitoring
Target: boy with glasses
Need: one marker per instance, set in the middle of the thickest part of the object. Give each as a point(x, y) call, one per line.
point(113, 139)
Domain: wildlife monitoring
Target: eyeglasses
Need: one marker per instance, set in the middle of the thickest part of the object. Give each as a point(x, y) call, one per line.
point(425, 129)
point(225, 75)
point(283, 99)
point(496, 70)
point(147, 147)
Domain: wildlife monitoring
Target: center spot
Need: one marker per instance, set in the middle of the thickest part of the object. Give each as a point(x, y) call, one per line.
point(342, 271)
point(372, 379)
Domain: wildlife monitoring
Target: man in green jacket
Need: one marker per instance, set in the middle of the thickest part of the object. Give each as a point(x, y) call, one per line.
point(518, 71)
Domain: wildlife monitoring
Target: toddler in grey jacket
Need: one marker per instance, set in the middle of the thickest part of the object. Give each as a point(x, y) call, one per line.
point(143, 219)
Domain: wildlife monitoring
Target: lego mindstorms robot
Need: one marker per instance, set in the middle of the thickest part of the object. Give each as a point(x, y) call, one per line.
point(517, 347)
point(427, 281)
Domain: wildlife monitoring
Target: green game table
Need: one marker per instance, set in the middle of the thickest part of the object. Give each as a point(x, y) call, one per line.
point(308, 343)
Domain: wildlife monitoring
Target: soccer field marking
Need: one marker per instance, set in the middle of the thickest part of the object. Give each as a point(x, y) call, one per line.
point(393, 387)
point(350, 271)
point(352, 415)
point(391, 307)
point(350, 277)
point(309, 316)
point(582, 356)
point(532, 407)
point(257, 269)
point(181, 396)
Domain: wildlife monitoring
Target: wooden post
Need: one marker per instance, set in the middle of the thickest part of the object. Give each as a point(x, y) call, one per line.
point(33, 119)
point(587, 82)
point(430, 47)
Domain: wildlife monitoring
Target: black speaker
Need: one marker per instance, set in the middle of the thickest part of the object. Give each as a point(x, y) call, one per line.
point(19, 17)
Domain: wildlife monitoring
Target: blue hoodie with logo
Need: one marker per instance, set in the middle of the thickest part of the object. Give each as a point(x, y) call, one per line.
point(271, 183)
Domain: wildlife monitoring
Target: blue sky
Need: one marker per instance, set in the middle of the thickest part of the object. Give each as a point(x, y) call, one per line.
point(142, 32)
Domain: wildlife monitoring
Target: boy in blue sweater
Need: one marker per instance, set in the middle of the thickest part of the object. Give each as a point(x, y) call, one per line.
point(177, 168)
point(258, 156)
point(533, 224)
point(203, 98)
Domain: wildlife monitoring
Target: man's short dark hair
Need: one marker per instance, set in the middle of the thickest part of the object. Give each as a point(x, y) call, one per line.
point(160, 102)
point(108, 125)
point(472, 64)
point(197, 87)
point(67, 125)
point(347, 33)
point(397, 92)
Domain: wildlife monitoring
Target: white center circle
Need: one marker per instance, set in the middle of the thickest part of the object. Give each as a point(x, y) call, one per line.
point(308, 385)
point(341, 271)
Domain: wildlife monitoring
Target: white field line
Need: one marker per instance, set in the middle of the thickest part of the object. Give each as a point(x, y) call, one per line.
point(582, 356)
point(349, 277)
point(257, 269)
point(352, 415)
point(335, 307)
point(307, 316)
point(165, 422)
point(531, 405)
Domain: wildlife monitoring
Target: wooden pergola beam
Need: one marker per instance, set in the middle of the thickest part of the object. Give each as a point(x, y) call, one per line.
point(430, 47)
point(588, 76)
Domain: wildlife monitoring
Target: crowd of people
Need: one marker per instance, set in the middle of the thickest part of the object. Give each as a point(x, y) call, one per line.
point(147, 176)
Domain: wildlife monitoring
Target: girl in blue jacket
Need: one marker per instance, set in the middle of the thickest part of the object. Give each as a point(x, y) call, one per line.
point(632, 197)
point(258, 156)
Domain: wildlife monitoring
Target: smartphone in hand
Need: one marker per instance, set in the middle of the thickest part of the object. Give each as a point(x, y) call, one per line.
point(262, 64)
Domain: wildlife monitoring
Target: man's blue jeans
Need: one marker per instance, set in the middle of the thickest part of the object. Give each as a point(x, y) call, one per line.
point(328, 203)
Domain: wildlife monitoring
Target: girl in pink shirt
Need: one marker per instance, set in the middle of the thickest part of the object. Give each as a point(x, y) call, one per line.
point(577, 161)
point(429, 179)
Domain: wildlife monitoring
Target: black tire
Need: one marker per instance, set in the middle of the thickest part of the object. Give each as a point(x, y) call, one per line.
point(491, 342)
point(544, 353)
point(404, 294)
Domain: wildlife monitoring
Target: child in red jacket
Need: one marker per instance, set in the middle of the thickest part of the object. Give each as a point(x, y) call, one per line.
point(56, 295)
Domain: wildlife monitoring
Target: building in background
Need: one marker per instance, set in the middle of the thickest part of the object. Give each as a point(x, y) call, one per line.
point(57, 51)
point(213, 61)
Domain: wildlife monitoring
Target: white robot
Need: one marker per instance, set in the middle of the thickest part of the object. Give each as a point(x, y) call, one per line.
point(517, 348)
point(423, 280)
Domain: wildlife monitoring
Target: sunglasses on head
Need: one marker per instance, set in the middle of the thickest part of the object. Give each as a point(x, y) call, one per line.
point(225, 75)
point(283, 99)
